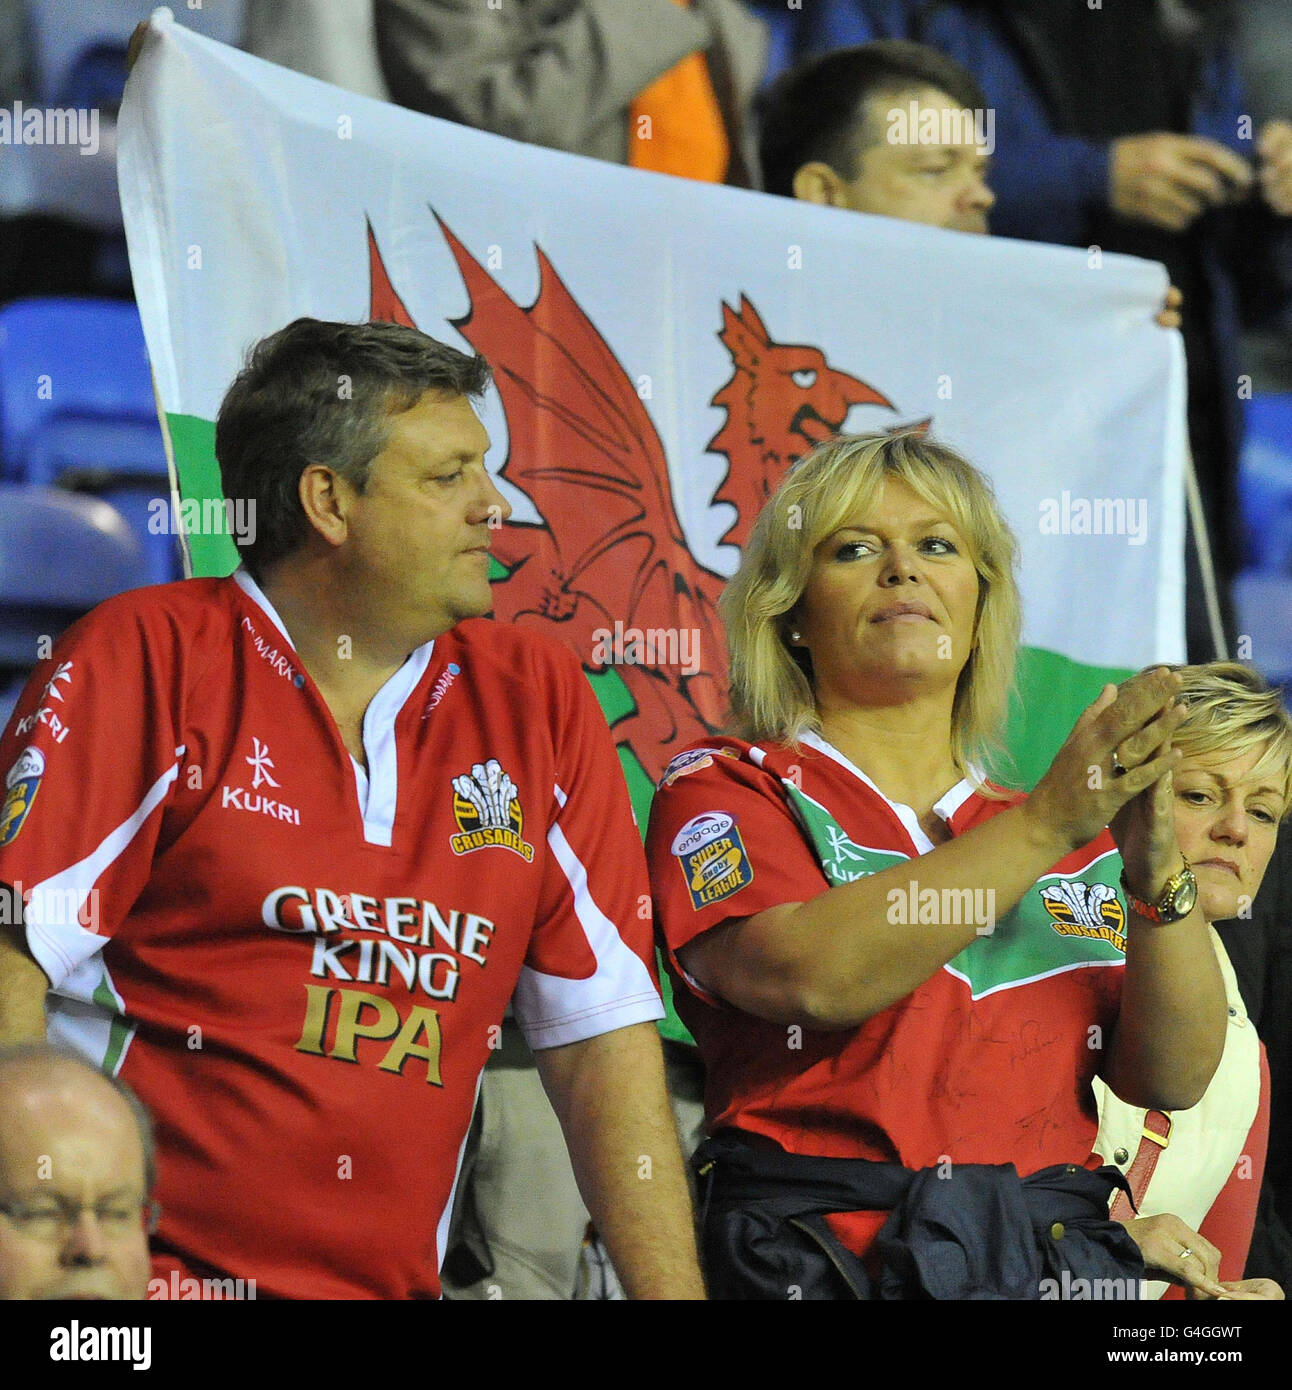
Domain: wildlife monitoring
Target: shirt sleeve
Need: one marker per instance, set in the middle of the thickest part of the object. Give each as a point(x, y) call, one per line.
point(88, 758)
point(723, 844)
point(590, 965)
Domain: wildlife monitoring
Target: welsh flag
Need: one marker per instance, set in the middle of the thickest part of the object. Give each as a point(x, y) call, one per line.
point(663, 350)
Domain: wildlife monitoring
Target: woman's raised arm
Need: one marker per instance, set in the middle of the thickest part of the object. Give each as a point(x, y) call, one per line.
point(837, 960)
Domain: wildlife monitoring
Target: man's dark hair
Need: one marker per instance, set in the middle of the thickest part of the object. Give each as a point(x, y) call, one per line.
point(817, 110)
point(318, 392)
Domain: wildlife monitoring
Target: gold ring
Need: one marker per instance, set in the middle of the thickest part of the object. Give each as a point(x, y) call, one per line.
point(1120, 770)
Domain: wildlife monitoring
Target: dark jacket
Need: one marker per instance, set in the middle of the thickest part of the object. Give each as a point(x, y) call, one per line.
point(1261, 952)
point(973, 1232)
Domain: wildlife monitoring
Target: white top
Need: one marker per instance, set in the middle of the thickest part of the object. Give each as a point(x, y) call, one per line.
point(1207, 1141)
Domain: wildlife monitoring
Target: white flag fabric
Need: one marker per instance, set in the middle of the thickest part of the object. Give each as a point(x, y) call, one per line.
point(662, 351)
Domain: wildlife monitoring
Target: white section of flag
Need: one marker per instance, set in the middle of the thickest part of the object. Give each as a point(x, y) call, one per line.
point(247, 190)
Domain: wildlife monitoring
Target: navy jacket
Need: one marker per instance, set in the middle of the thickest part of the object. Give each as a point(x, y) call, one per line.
point(975, 1232)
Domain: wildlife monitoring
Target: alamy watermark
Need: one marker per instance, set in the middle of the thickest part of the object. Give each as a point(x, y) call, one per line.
point(74, 1342)
point(50, 125)
point(1081, 1290)
point(184, 1287)
point(55, 907)
point(204, 516)
point(653, 646)
point(915, 124)
point(946, 907)
point(1067, 515)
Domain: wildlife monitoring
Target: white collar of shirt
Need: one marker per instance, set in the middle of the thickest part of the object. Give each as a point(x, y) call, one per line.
point(378, 788)
point(944, 808)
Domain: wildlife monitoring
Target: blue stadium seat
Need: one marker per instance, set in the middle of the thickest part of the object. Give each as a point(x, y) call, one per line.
point(60, 554)
point(1263, 610)
point(75, 389)
point(77, 409)
point(82, 450)
point(72, 41)
point(96, 78)
point(1265, 484)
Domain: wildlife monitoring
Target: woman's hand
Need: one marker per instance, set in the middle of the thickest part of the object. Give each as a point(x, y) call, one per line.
point(1144, 830)
point(1129, 729)
point(1250, 1289)
point(1172, 1251)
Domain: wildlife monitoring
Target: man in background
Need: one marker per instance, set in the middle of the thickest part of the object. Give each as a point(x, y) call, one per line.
point(75, 1174)
point(1124, 127)
point(824, 137)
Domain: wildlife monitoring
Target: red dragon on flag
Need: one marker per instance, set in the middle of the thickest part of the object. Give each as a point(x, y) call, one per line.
point(782, 399)
point(583, 448)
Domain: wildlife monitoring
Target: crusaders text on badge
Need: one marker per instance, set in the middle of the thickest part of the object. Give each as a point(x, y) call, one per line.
point(487, 810)
point(1086, 909)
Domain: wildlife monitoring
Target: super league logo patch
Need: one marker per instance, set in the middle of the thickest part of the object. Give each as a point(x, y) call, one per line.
point(21, 785)
point(712, 858)
point(488, 812)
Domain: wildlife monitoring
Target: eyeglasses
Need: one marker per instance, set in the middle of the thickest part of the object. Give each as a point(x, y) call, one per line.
point(53, 1219)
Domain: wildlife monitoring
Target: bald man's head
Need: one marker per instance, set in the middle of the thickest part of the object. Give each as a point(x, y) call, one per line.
point(75, 1161)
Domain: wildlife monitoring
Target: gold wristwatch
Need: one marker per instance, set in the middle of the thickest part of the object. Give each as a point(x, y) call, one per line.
point(1175, 901)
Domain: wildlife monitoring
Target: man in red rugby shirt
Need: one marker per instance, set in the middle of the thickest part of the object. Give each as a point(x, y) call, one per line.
point(287, 843)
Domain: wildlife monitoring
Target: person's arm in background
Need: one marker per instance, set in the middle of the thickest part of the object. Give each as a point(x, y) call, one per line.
point(565, 81)
point(22, 982)
point(608, 1093)
point(1222, 113)
point(587, 1000)
point(1255, 241)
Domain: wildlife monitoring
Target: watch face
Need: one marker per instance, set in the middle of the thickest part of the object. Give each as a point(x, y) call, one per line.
point(1185, 896)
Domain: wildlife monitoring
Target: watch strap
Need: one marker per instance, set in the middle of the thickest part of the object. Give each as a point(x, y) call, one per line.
point(1157, 911)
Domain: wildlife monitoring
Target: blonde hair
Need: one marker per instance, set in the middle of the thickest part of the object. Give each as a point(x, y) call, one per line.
point(771, 687)
point(1232, 711)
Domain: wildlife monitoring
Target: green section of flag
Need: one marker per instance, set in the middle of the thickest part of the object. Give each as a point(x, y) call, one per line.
point(193, 440)
point(616, 703)
point(670, 1026)
point(612, 693)
point(1052, 692)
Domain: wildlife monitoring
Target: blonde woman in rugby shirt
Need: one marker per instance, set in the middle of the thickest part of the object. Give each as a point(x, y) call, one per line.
point(1232, 789)
point(872, 628)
